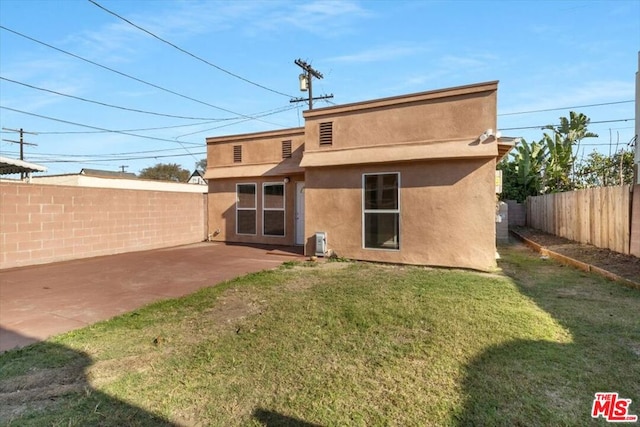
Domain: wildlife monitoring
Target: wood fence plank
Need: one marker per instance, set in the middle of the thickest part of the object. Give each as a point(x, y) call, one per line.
point(598, 216)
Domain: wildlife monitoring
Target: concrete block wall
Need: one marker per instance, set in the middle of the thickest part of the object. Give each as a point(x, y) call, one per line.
point(517, 213)
point(48, 223)
point(502, 223)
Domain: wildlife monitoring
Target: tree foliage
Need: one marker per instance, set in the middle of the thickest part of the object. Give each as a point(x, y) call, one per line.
point(202, 165)
point(551, 165)
point(599, 170)
point(522, 175)
point(562, 151)
point(166, 172)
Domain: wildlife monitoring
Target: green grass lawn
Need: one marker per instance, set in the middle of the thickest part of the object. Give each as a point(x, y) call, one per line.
point(345, 344)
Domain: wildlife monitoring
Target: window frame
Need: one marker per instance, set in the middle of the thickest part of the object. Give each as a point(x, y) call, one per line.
point(283, 209)
point(380, 211)
point(255, 208)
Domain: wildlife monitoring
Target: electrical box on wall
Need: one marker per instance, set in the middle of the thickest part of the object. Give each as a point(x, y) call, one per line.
point(321, 243)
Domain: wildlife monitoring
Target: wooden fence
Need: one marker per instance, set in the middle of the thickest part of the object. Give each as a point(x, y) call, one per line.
point(597, 216)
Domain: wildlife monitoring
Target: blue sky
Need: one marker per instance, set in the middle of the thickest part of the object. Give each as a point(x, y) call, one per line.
point(546, 55)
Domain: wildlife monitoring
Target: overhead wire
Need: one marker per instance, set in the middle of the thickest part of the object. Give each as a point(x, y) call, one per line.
point(91, 127)
point(187, 52)
point(545, 126)
point(566, 108)
point(260, 114)
point(132, 77)
point(104, 104)
point(112, 155)
point(123, 158)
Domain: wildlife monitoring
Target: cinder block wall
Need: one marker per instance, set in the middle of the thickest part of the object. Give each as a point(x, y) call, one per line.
point(517, 213)
point(47, 223)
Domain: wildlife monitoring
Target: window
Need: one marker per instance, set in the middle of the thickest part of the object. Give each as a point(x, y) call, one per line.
point(326, 133)
point(246, 209)
point(381, 211)
point(237, 154)
point(273, 209)
point(286, 149)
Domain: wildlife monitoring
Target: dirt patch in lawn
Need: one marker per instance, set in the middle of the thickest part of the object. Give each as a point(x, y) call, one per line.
point(38, 390)
point(626, 266)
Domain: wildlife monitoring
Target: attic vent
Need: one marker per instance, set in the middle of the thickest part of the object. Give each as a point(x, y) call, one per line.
point(286, 149)
point(237, 154)
point(326, 133)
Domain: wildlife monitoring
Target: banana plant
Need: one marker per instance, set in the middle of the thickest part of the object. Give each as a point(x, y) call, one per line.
point(529, 159)
point(562, 148)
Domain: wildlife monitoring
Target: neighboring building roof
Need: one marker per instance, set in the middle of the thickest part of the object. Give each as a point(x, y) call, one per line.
point(82, 180)
point(107, 174)
point(11, 166)
point(197, 177)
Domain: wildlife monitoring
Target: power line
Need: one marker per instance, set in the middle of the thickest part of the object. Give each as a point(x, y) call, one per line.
point(132, 77)
point(542, 127)
point(115, 156)
point(240, 120)
point(187, 52)
point(111, 105)
point(232, 124)
point(566, 108)
point(121, 130)
point(92, 127)
point(124, 158)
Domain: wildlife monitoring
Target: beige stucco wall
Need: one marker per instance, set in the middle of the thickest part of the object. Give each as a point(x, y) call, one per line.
point(447, 183)
point(447, 212)
point(261, 154)
point(459, 113)
point(222, 211)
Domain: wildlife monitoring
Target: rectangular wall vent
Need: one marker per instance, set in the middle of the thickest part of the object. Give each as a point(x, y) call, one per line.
point(326, 133)
point(286, 149)
point(237, 154)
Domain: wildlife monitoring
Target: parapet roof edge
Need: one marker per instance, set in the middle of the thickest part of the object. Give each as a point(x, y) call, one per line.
point(402, 99)
point(256, 135)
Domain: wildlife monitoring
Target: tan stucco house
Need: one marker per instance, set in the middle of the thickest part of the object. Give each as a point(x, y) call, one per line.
point(408, 179)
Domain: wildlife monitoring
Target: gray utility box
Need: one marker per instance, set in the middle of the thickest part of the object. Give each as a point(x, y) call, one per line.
point(321, 243)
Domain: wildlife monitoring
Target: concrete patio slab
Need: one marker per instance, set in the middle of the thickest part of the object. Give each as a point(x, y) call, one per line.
point(40, 301)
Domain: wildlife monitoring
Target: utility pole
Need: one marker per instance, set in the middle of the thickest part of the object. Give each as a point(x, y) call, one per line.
point(122, 168)
point(306, 82)
point(21, 142)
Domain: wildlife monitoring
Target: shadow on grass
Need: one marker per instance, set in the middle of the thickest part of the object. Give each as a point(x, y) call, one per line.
point(274, 419)
point(531, 383)
point(46, 384)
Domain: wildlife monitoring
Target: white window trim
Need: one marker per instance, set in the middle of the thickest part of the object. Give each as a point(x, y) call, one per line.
point(255, 207)
point(283, 209)
point(366, 211)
